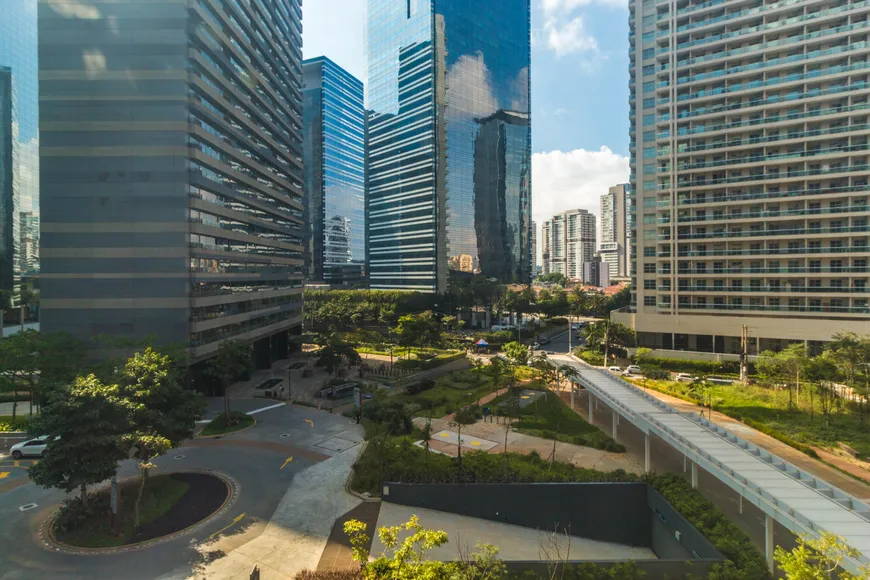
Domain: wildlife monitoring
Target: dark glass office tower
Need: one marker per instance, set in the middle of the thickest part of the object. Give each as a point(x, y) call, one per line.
point(172, 172)
point(448, 84)
point(19, 144)
point(334, 145)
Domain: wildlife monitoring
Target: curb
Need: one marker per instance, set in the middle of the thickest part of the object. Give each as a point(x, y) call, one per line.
point(50, 543)
point(242, 430)
point(347, 482)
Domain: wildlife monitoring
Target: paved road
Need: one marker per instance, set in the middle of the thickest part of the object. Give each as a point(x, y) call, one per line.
point(253, 458)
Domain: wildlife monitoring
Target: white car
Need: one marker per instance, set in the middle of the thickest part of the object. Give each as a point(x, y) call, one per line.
point(685, 378)
point(32, 448)
point(615, 369)
point(632, 370)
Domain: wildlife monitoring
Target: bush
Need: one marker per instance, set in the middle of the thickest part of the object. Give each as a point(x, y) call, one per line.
point(705, 367)
point(353, 574)
point(417, 388)
point(655, 374)
point(749, 564)
point(779, 436)
point(392, 414)
point(73, 515)
point(590, 356)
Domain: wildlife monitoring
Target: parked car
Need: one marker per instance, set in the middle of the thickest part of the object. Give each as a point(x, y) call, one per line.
point(544, 340)
point(685, 378)
point(536, 345)
point(632, 370)
point(615, 369)
point(32, 448)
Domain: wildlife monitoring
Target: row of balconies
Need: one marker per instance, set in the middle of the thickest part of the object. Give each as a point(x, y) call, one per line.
point(720, 198)
point(724, 145)
point(754, 215)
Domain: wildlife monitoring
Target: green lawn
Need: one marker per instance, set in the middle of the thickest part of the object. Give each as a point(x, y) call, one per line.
point(450, 393)
point(767, 409)
point(161, 493)
point(218, 426)
point(549, 416)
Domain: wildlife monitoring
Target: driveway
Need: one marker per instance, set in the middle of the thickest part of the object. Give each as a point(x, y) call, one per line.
point(256, 459)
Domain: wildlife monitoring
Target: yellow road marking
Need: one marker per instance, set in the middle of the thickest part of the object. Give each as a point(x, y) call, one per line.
point(35, 461)
point(445, 435)
point(4, 474)
point(475, 442)
point(234, 522)
point(286, 461)
point(310, 422)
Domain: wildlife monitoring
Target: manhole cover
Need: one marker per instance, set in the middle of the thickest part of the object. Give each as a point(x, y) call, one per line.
point(285, 435)
point(179, 456)
point(27, 507)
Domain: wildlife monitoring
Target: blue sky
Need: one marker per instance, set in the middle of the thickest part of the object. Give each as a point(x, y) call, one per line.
point(579, 90)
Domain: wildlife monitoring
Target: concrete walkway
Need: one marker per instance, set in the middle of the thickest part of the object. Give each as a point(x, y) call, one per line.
point(297, 534)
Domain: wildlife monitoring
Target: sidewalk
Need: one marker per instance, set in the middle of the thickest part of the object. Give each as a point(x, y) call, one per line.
point(833, 476)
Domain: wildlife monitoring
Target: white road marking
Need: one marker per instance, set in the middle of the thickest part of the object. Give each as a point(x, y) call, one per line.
point(266, 409)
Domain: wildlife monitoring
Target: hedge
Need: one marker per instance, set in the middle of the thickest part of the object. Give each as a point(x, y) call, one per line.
point(748, 563)
point(779, 436)
point(692, 366)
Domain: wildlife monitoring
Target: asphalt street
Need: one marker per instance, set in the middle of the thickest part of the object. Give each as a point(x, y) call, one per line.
point(262, 460)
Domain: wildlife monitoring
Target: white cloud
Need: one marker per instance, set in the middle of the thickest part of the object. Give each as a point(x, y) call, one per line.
point(553, 6)
point(572, 36)
point(563, 180)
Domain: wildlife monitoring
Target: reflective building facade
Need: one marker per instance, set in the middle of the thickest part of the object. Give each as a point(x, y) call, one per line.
point(19, 143)
point(172, 172)
point(449, 141)
point(334, 145)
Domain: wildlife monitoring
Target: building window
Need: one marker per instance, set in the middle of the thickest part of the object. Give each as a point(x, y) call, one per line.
point(649, 300)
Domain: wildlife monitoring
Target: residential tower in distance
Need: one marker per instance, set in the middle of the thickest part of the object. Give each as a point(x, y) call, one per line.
point(571, 242)
point(616, 229)
point(171, 165)
point(750, 167)
point(334, 146)
point(449, 142)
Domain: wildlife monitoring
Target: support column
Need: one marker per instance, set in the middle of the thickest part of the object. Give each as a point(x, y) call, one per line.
point(714, 344)
point(572, 395)
point(646, 453)
point(741, 504)
point(768, 542)
point(694, 475)
point(615, 424)
point(591, 405)
point(685, 466)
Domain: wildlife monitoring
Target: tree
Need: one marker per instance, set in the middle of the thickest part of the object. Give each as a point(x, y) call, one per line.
point(784, 367)
point(162, 412)
point(336, 353)
point(233, 358)
point(606, 334)
point(5, 304)
point(406, 558)
point(417, 330)
point(86, 425)
point(642, 354)
point(852, 352)
point(701, 389)
point(516, 353)
point(818, 559)
point(553, 278)
point(823, 372)
point(465, 416)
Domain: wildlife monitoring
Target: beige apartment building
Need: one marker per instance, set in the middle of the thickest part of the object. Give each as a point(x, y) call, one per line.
point(750, 166)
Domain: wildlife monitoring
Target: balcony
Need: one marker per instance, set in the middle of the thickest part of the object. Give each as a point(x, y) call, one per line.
point(769, 233)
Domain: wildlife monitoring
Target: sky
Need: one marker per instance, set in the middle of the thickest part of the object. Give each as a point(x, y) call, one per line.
point(579, 91)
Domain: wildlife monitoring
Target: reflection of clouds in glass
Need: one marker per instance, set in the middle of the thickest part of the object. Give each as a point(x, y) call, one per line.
point(469, 87)
point(520, 91)
point(94, 62)
point(75, 9)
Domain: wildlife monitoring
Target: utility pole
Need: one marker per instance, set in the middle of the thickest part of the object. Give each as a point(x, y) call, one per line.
point(744, 361)
point(606, 341)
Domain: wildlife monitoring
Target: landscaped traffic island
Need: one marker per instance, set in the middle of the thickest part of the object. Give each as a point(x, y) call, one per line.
point(170, 503)
point(223, 425)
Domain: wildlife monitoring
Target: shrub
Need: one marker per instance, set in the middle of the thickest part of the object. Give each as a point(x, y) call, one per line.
point(353, 574)
point(417, 388)
point(590, 356)
point(779, 436)
point(72, 513)
point(655, 374)
point(392, 414)
point(749, 564)
point(4, 427)
point(614, 447)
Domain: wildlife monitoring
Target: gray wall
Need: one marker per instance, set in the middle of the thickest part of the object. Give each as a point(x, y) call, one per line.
point(612, 512)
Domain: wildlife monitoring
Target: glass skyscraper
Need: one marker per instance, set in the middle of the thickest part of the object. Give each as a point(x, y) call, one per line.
point(172, 172)
point(449, 142)
point(750, 167)
point(19, 143)
point(334, 146)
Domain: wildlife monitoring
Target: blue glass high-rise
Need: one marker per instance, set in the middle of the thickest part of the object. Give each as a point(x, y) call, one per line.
point(334, 148)
point(19, 144)
point(449, 142)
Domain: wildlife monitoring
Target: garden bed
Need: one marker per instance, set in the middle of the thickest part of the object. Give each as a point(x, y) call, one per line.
point(220, 426)
point(170, 503)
